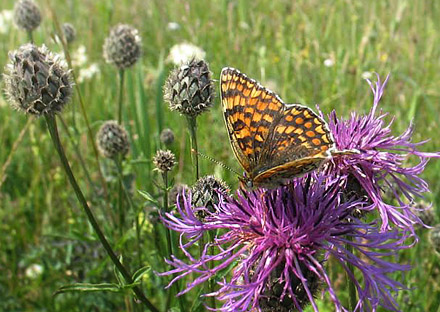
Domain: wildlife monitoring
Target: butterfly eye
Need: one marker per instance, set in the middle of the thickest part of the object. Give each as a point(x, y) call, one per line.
point(249, 184)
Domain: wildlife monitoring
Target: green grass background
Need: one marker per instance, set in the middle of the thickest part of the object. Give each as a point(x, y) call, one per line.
point(280, 43)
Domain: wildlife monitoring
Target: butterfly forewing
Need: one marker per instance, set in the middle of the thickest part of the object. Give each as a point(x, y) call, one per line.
point(249, 111)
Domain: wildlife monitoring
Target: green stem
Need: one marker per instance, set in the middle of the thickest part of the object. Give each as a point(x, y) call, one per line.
point(80, 99)
point(132, 207)
point(119, 161)
point(192, 127)
point(77, 151)
point(30, 36)
point(351, 286)
point(121, 95)
point(52, 126)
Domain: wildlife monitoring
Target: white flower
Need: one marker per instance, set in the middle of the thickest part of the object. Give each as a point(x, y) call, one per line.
point(88, 72)
point(366, 75)
point(183, 52)
point(34, 271)
point(79, 57)
point(329, 62)
point(6, 17)
point(173, 26)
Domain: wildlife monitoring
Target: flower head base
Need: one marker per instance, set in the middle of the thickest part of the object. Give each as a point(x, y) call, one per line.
point(36, 81)
point(273, 300)
point(206, 193)
point(112, 139)
point(69, 32)
point(122, 47)
point(380, 162)
point(164, 160)
point(189, 89)
point(27, 15)
point(283, 237)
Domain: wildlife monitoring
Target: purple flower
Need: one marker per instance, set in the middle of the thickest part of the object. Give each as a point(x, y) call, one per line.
point(380, 165)
point(275, 244)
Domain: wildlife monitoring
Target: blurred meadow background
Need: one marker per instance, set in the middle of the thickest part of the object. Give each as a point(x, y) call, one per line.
point(309, 52)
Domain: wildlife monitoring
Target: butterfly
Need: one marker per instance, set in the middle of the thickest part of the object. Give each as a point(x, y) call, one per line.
point(273, 141)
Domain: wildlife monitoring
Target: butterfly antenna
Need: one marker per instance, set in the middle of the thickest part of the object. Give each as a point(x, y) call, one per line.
point(216, 162)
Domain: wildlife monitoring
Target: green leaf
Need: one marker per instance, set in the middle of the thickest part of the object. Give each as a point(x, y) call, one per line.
point(87, 287)
point(137, 276)
point(148, 197)
point(119, 276)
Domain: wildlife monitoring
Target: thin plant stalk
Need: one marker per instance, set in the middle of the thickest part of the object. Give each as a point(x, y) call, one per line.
point(13, 149)
point(133, 208)
point(170, 246)
point(192, 127)
point(30, 36)
point(121, 96)
point(80, 99)
point(119, 159)
point(53, 130)
point(82, 162)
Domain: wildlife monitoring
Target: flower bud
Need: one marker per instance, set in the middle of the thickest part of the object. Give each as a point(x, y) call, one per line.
point(122, 47)
point(189, 88)
point(112, 139)
point(36, 81)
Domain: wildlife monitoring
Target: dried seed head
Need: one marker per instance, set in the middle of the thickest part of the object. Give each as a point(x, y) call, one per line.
point(206, 193)
point(69, 32)
point(189, 88)
point(164, 160)
point(176, 191)
point(434, 238)
point(167, 136)
point(122, 47)
point(112, 139)
point(272, 300)
point(36, 81)
point(27, 15)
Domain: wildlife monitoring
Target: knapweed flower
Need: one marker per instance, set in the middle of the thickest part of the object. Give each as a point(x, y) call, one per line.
point(164, 160)
point(380, 163)
point(122, 47)
point(284, 237)
point(27, 15)
point(112, 139)
point(37, 81)
point(189, 88)
point(185, 52)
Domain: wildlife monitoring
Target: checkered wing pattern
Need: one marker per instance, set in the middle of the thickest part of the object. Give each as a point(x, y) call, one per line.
point(249, 110)
point(271, 140)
